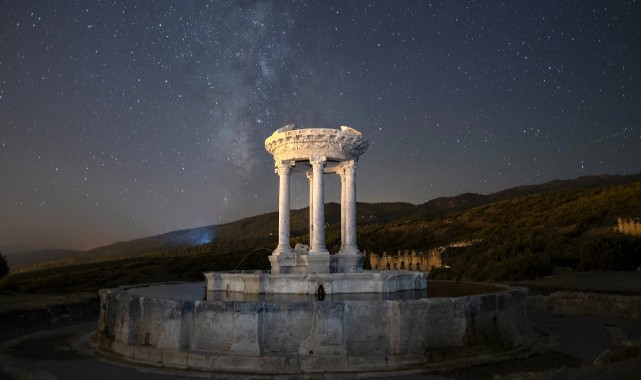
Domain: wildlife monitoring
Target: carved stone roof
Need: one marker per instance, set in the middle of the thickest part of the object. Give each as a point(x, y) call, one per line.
point(289, 143)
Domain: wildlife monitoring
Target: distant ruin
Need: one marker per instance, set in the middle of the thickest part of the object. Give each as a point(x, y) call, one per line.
point(438, 257)
point(407, 260)
point(629, 226)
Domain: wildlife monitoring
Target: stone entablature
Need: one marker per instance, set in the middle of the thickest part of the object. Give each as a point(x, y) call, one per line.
point(291, 144)
point(629, 226)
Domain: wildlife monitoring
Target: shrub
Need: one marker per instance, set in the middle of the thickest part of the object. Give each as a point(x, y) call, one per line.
point(4, 267)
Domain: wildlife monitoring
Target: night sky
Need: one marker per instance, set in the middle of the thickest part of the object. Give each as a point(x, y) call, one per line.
point(125, 119)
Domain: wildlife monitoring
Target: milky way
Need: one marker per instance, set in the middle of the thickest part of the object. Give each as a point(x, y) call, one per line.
point(123, 119)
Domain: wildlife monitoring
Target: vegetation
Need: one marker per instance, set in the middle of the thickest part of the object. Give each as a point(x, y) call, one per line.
point(4, 266)
point(178, 265)
point(522, 235)
point(528, 236)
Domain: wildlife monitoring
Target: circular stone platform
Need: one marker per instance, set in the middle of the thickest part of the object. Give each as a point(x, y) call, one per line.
point(289, 337)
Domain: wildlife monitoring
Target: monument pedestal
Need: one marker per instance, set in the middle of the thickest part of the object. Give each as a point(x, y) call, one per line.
point(298, 263)
point(318, 262)
point(347, 262)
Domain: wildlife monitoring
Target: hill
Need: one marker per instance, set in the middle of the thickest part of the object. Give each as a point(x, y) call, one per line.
point(24, 259)
point(466, 201)
point(258, 230)
point(526, 236)
point(560, 223)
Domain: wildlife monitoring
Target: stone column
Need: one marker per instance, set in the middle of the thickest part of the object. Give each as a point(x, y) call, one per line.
point(341, 173)
point(310, 177)
point(283, 169)
point(318, 207)
point(350, 207)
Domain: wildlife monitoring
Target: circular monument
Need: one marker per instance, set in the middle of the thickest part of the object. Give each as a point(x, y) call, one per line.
point(314, 312)
point(317, 152)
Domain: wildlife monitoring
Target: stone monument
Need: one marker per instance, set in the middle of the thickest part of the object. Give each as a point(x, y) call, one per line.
point(312, 270)
point(315, 313)
point(316, 152)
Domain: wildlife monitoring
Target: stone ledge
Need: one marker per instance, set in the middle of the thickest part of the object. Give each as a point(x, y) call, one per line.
point(293, 337)
point(332, 283)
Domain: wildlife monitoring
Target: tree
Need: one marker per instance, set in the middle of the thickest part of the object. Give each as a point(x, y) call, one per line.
point(4, 267)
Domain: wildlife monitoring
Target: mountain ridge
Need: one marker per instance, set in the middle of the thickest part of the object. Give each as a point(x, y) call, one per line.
point(262, 227)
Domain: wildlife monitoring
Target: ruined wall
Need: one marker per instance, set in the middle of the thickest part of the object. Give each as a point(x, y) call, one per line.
point(422, 261)
point(629, 226)
point(408, 260)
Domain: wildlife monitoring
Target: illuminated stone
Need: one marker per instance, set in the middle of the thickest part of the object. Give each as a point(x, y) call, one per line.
point(317, 151)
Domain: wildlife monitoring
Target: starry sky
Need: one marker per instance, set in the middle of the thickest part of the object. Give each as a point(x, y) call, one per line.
point(125, 119)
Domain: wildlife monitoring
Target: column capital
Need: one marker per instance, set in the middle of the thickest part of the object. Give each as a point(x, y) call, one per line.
point(346, 167)
point(349, 165)
point(318, 160)
point(283, 167)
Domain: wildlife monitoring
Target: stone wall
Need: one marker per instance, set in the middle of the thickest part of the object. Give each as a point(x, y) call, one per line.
point(629, 226)
point(422, 261)
point(407, 260)
point(309, 337)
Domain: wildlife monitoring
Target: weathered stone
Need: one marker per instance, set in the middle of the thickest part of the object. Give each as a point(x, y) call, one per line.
point(266, 322)
point(147, 354)
point(283, 337)
point(212, 332)
point(285, 326)
point(332, 283)
point(316, 152)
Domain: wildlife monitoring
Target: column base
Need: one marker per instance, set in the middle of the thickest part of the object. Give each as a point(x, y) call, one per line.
point(349, 250)
point(318, 262)
point(282, 250)
point(299, 263)
point(348, 262)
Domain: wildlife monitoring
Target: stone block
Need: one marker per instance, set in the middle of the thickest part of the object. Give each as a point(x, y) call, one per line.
point(176, 359)
point(199, 360)
point(212, 332)
point(328, 338)
point(123, 349)
point(285, 326)
point(314, 363)
point(318, 263)
point(246, 329)
point(121, 324)
point(147, 354)
point(165, 324)
point(445, 327)
point(366, 328)
point(412, 329)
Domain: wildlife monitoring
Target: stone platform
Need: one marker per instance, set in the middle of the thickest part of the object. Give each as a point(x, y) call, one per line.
point(331, 283)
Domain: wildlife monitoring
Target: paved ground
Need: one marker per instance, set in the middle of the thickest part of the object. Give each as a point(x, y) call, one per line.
point(58, 347)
